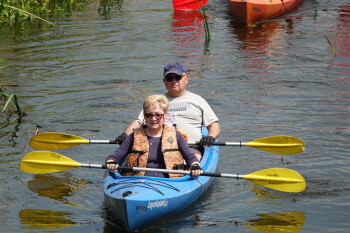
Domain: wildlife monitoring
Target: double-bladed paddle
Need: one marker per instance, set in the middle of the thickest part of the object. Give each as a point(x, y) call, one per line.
point(286, 145)
point(188, 4)
point(281, 179)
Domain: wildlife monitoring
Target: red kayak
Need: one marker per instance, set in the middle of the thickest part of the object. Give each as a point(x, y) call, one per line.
point(249, 11)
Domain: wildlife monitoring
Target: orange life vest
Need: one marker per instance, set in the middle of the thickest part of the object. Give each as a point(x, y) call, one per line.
point(140, 151)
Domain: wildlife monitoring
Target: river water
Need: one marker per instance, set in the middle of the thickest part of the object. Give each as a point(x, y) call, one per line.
point(89, 78)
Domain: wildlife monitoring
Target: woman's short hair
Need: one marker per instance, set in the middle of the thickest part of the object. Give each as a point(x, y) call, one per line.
point(161, 100)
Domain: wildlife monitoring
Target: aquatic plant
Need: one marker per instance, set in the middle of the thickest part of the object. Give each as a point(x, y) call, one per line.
point(14, 11)
point(206, 26)
point(7, 99)
point(2, 61)
point(330, 44)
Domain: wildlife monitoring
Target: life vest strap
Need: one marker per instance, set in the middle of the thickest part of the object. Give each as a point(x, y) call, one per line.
point(140, 152)
point(179, 167)
point(168, 150)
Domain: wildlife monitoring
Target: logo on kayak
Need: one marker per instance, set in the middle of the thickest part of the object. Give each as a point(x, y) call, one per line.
point(157, 204)
point(256, 9)
point(151, 205)
point(141, 208)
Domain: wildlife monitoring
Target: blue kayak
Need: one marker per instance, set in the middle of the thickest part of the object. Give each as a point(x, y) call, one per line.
point(138, 201)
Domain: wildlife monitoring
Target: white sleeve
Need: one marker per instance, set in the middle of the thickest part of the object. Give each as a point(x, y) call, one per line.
point(140, 118)
point(209, 116)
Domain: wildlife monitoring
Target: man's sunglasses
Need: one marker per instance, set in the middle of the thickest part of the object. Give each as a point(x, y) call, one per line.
point(170, 78)
point(158, 116)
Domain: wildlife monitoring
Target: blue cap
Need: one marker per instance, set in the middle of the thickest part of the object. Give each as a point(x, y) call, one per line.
point(174, 68)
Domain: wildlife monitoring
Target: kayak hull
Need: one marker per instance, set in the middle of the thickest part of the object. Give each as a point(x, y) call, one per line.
point(139, 201)
point(249, 11)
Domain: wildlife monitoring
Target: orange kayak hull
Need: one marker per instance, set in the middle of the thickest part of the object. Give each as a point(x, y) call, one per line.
point(249, 11)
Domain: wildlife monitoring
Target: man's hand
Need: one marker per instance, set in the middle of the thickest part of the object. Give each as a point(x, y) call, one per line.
point(120, 139)
point(206, 141)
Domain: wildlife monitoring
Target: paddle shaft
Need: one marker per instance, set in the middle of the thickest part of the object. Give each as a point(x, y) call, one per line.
point(240, 144)
point(102, 142)
point(212, 174)
point(275, 144)
point(138, 169)
point(190, 143)
point(281, 179)
point(222, 143)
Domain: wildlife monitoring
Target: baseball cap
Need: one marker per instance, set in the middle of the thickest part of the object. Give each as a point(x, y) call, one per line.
point(174, 68)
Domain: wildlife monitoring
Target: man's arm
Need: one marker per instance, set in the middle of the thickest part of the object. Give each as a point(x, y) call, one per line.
point(131, 127)
point(213, 133)
point(214, 129)
point(120, 139)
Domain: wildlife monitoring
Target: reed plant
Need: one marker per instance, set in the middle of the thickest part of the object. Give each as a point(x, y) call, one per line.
point(206, 26)
point(11, 104)
point(330, 45)
point(6, 98)
point(12, 11)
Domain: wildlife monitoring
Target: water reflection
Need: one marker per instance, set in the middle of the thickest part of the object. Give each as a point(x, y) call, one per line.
point(261, 41)
point(54, 187)
point(45, 219)
point(188, 32)
point(255, 35)
point(106, 6)
point(342, 45)
point(278, 222)
point(266, 193)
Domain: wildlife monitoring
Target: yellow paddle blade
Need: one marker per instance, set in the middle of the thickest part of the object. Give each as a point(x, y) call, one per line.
point(281, 179)
point(55, 141)
point(285, 145)
point(46, 162)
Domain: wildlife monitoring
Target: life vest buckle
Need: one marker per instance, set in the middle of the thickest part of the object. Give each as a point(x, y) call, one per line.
point(179, 167)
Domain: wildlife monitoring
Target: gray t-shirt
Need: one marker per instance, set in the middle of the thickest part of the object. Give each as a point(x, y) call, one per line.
point(189, 112)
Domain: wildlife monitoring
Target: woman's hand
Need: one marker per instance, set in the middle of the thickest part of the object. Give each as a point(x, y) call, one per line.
point(111, 165)
point(196, 169)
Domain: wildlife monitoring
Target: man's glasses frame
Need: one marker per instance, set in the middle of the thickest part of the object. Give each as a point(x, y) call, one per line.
point(170, 78)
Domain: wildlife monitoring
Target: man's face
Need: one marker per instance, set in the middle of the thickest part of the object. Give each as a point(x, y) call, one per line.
point(176, 84)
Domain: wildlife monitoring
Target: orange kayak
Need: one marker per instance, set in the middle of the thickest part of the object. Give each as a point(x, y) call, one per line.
point(249, 11)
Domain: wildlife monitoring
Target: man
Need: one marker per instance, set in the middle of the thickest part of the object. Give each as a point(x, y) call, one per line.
point(187, 110)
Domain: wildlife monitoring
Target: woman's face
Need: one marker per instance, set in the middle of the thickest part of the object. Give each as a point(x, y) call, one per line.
point(154, 116)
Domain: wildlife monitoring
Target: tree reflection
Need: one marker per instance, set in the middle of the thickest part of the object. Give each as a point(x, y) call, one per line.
point(292, 221)
point(45, 219)
point(106, 6)
point(54, 187)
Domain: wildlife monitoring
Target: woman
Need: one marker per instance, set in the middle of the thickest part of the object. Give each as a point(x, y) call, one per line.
point(155, 144)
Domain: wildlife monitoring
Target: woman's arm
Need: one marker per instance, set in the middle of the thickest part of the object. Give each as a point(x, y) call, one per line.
point(120, 153)
point(187, 154)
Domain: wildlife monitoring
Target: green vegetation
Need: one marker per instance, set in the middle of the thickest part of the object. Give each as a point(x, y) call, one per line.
point(10, 102)
point(206, 26)
point(12, 11)
point(7, 99)
point(330, 44)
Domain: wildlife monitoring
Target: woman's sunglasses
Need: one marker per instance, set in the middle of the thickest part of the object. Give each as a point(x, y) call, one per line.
point(158, 116)
point(170, 78)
